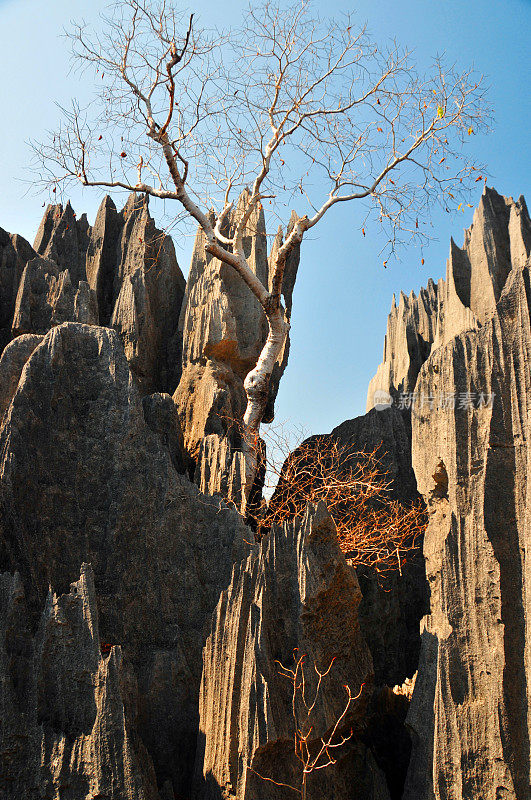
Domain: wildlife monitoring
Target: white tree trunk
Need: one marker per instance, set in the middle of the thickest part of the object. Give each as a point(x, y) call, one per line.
point(256, 387)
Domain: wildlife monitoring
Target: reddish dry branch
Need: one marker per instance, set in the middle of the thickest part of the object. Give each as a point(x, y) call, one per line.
point(314, 751)
point(374, 529)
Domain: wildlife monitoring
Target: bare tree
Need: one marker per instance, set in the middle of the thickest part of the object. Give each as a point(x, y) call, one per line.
point(289, 105)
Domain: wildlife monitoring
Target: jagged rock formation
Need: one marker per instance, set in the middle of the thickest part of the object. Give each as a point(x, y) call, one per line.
point(83, 478)
point(68, 726)
point(95, 458)
point(46, 297)
point(121, 272)
point(15, 252)
point(411, 330)
point(498, 240)
point(223, 330)
point(12, 362)
point(132, 269)
point(64, 239)
point(469, 716)
point(296, 591)
point(390, 611)
point(391, 608)
point(470, 710)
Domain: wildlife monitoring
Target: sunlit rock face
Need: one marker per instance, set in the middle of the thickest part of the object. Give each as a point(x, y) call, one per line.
point(224, 329)
point(470, 709)
point(296, 596)
point(498, 240)
point(471, 383)
point(140, 625)
point(121, 272)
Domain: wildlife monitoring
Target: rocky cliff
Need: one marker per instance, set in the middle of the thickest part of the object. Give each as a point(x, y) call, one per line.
point(120, 272)
point(470, 712)
point(469, 715)
point(223, 329)
point(84, 478)
point(498, 240)
point(94, 478)
point(295, 597)
point(68, 712)
point(143, 632)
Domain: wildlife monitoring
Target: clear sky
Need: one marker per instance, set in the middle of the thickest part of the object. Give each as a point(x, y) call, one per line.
point(343, 294)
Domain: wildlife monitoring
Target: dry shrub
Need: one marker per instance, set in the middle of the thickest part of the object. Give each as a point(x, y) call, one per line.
point(374, 528)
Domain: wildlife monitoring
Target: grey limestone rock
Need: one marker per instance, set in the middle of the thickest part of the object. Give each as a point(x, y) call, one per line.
point(391, 608)
point(64, 239)
point(47, 297)
point(134, 282)
point(411, 330)
point(162, 418)
point(498, 240)
point(470, 709)
point(67, 712)
point(15, 252)
point(296, 593)
point(148, 288)
point(223, 329)
point(85, 479)
point(12, 362)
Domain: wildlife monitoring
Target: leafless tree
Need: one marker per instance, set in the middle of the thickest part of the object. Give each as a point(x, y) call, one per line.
point(288, 106)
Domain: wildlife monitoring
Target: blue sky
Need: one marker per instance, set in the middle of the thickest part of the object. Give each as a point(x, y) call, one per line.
point(343, 294)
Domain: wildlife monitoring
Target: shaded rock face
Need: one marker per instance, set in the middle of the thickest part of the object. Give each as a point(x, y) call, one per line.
point(470, 715)
point(391, 609)
point(498, 240)
point(15, 252)
point(46, 297)
point(296, 591)
point(131, 267)
point(12, 362)
point(122, 272)
point(223, 330)
point(85, 479)
point(64, 239)
point(68, 714)
point(411, 330)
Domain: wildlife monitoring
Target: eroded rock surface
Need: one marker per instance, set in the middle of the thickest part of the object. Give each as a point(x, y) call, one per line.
point(470, 713)
point(12, 362)
point(295, 594)
point(15, 252)
point(47, 297)
point(223, 329)
point(85, 479)
point(392, 606)
point(68, 727)
point(498, 240)
point(122, 272)
point(64, 239)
